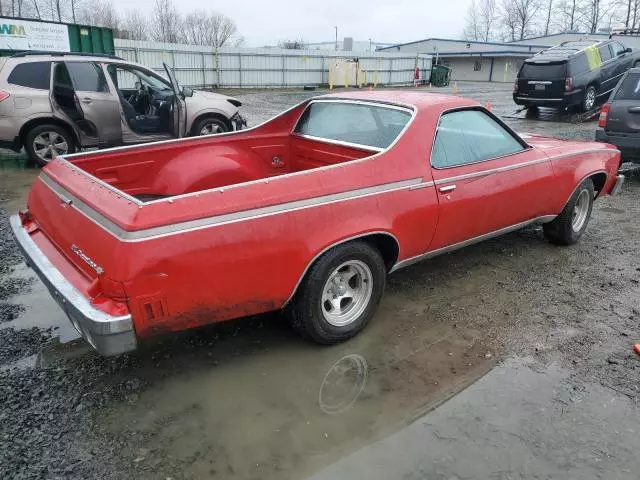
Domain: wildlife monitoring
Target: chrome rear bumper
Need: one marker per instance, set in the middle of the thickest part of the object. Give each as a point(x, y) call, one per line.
point(108, 334)
point(618, 185)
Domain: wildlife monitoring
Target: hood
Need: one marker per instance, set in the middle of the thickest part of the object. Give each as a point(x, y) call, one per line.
point(216, 96)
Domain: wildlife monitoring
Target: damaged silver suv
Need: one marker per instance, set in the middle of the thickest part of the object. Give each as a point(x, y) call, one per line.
point(55, 103)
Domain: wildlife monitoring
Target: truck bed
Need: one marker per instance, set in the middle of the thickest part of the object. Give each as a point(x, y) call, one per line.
point(176, 168)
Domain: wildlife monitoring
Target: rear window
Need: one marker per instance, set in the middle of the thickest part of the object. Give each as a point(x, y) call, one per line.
point(543, 71)
point(32, 75)
point(361, 124)
point(629, 88)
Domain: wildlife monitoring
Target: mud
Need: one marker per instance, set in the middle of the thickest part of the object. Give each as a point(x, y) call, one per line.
point(547, 330)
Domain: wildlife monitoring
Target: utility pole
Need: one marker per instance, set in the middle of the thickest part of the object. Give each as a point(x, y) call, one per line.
point(336, 37)
point(370, 46)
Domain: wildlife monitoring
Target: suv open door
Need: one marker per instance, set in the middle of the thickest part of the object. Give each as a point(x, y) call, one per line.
point(80, 93)
point(179, 109)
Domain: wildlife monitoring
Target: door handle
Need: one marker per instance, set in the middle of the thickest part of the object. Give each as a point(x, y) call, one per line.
point(86, 100)
point(448, 188)
point(633, 110)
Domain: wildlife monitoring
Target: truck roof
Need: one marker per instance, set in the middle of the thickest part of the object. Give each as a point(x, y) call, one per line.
point(414, 98)
point(564, 50)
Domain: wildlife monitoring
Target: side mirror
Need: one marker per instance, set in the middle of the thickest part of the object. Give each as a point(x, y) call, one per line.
point(628, 50)
point(187, 92)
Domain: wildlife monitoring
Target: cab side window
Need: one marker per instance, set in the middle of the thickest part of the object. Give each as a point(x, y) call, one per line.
point(470, 136)
point(616, 49)
point(605, 53)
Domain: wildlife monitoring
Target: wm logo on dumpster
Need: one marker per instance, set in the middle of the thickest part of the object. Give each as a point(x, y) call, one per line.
point(11, 29)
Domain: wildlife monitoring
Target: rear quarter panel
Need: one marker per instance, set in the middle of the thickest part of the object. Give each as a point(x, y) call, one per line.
point(574, 162)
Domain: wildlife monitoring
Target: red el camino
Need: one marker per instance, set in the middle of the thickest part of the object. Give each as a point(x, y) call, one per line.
point(307, 212)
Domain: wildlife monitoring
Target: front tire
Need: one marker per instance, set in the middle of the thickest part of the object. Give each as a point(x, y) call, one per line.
point(568, 227)
point(209, 126)
point(340, 294)
point(45, 142)
point(589, 99)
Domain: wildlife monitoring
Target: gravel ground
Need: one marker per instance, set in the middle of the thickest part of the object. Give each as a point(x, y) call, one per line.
point(240, 400)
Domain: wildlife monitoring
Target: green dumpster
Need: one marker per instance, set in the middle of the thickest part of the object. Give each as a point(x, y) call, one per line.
point(440, 76)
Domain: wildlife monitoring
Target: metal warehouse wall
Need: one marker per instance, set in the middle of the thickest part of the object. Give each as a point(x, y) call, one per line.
point(198, 66)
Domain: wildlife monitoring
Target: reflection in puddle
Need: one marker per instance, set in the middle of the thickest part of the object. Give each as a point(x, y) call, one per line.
point(343, 384)
point(264, 404)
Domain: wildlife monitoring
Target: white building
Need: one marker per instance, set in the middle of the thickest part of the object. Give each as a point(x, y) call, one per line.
point(493, 61)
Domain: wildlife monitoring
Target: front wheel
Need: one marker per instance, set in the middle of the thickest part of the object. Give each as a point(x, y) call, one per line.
point(340, 294)
point(568, 227)
point(209, 126)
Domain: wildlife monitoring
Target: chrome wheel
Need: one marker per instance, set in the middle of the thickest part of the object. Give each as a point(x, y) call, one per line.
point(210, 128)
point(580, 211)
point(346, 293)
point(589, 98)
point(48, 145)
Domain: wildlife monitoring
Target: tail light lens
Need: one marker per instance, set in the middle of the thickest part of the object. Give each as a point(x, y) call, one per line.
point(604, 115)
point(568, 84)
point(515, 86)
point(3, 95)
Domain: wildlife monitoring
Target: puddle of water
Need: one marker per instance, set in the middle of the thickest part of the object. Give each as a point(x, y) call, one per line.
point(267, 405)
point(40, 309)
point(530, 422)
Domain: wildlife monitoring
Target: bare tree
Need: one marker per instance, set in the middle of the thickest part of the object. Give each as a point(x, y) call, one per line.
point(518, 17)
point(488, 13)
point(472, 23)
point(549, 8)
point(166, 22)
point(134, 26)
point(297, 44)
point(101, 14)
point(214, 29)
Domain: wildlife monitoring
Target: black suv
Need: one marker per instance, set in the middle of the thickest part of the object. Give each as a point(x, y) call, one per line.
point(573, 73)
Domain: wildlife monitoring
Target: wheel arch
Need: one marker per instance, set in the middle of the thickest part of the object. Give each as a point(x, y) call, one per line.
point(383, 241)
point(599, 176)
point(212, 114)
point(34, 122)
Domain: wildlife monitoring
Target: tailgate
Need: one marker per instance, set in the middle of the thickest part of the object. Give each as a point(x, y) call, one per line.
point(72, 210)
point(542, 79)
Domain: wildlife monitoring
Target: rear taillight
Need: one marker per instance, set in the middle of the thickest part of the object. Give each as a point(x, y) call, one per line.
point(3, 95)
point(515, 86)
point(604, 115)
point(568, 84)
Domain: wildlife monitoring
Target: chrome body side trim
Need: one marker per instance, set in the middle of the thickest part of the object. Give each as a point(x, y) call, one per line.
point(108, 334)
point(223, 219)
point(329, 247)
point(470, 241)
point(342, 143)
point(491, 171)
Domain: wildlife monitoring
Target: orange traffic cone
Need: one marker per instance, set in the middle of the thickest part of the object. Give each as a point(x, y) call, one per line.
point(636, 348)
point(488, 106)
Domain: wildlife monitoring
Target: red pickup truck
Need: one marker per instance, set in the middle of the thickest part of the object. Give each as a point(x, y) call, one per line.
point(307, 212)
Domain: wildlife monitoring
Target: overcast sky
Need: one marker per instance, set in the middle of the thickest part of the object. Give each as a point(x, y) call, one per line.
point(264, 22)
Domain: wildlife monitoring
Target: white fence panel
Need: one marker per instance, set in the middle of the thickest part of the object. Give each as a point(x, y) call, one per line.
point(202, 66)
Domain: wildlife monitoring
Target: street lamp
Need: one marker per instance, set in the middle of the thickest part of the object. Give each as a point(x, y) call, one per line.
point(336, 37)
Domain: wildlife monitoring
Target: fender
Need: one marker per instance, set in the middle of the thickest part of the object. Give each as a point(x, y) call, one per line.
point(335, 244)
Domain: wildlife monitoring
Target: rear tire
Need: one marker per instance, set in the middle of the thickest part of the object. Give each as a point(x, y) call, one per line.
point(589, 99)
point(568, 227)
point(339, 294)
point(44, 142)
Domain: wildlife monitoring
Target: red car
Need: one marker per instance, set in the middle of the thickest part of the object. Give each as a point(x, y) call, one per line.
point(307, 212)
